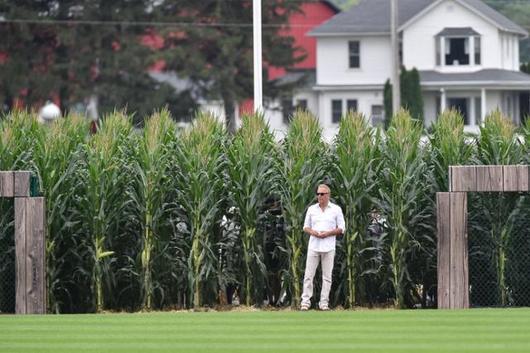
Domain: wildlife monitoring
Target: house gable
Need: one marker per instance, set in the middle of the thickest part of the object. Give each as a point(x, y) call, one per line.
point(478, 7)
point(373, 17)
point(443, 20)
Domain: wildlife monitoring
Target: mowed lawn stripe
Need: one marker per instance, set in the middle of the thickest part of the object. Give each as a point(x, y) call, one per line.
point(493, 330)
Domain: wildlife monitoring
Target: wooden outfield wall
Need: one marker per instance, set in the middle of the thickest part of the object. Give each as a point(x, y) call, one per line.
point(453, 264)
point(30, 223)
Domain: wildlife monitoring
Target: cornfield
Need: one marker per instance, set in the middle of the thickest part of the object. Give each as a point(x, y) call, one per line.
point(163, 217)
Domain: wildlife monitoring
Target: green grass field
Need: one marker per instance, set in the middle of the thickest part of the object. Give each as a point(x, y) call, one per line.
point(484, 330)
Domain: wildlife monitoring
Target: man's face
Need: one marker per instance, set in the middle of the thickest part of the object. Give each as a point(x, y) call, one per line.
point(323, 196)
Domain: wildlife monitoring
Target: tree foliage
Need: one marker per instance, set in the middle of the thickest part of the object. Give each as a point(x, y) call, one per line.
point(411, 97)
point(73, 50)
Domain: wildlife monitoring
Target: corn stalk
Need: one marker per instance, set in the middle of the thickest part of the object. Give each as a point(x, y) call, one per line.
point(498, 145)
point(156, 151)
point(57, 155)
point(448, 146)
point(402, 197)
point(355, 164)
point(252, 159)
point(200, 183)
point(105, 197)
point(305, 161)
point(19, 131)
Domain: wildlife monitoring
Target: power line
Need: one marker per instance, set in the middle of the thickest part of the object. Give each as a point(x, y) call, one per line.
point(170, 24)
point(149, 23)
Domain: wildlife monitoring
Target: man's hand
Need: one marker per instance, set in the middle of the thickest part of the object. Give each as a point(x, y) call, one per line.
point(330, 233)
point(323, 234)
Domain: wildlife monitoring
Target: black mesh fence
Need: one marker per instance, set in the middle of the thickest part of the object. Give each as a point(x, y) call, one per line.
point(499, 249)
point(7, 257)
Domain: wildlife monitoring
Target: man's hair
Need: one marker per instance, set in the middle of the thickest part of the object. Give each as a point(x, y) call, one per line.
point(325, 187)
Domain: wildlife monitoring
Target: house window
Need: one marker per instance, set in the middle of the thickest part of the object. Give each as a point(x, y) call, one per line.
point(377, 115)
point(301, 104)
point(477, 51)
point(460, 105)
point(456, 46)
point(456, 51)
point(351, 105)
point(336, 110)
point(354, 51)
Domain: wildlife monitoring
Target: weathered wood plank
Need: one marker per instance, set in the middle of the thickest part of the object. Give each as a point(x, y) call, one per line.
point(515, 178)
point(35, 258)
point(444, 248)
point(465, 244)
point(22, 181)
point(462, 178)
point(489, 178)
point(458, 213)
point(7, 184)
point(20, 255)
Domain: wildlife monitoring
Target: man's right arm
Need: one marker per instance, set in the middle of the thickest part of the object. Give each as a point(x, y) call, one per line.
point(308, 224)
point(311, 231)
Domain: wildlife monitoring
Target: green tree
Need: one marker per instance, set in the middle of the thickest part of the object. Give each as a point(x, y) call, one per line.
point(387, 103)
point(414, 100)
point(94, 55)
point(411, 97)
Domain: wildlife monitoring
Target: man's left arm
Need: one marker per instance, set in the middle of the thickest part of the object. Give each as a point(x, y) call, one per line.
point(340, 225)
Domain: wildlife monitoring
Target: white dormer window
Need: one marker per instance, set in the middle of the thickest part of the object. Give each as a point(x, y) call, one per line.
point(456, 51)
point(458, 47)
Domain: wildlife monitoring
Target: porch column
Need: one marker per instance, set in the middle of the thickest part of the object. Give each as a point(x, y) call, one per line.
point(472, 111)
point(483, 104)
point(517, 108)
point(443, 100)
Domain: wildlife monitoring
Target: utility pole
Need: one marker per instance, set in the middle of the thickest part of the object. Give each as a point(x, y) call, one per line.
point(258, 74)
point(396, 88)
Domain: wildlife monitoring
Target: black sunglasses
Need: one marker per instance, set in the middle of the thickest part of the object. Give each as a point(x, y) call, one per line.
point(322, 193)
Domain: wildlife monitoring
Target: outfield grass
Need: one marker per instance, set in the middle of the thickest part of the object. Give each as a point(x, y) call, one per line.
point(426, 331)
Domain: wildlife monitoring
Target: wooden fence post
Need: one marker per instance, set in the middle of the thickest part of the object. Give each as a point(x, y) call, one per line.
point(30, 255)
point(453, 278)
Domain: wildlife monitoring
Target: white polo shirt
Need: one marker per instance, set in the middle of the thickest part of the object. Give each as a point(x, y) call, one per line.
point(330, 218)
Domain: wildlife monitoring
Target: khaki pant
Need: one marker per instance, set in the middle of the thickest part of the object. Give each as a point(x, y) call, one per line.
point(313, 258)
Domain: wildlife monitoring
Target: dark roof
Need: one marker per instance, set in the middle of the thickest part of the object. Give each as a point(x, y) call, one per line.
point(492, 76)
point(457, 31)
point(304, 77)
point(369, 16)
point(332, 6)
point(373, 16)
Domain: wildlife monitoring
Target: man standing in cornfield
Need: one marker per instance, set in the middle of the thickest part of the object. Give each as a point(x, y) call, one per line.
point(323, 222)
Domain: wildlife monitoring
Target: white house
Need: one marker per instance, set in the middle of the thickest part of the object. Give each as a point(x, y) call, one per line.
point(466, 52)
